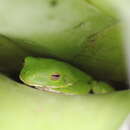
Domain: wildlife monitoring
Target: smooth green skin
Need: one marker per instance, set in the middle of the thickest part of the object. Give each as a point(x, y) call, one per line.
point(42, 72)
point(25, 108)
point(101, 88)
point(76, 31)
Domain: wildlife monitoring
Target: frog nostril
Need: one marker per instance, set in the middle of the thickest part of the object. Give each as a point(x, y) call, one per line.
point(55, 76)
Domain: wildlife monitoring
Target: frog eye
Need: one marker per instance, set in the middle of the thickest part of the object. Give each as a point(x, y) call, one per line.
point(55, 76)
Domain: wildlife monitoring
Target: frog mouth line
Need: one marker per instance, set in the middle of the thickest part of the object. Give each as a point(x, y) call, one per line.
point(49, 89)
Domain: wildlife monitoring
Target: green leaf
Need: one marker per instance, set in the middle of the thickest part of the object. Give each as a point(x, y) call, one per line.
point(26, 108)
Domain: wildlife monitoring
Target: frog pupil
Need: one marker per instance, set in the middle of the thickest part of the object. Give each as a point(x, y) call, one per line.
point(55, 76)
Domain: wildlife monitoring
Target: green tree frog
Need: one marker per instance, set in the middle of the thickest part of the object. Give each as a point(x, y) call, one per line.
point(60, 77)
